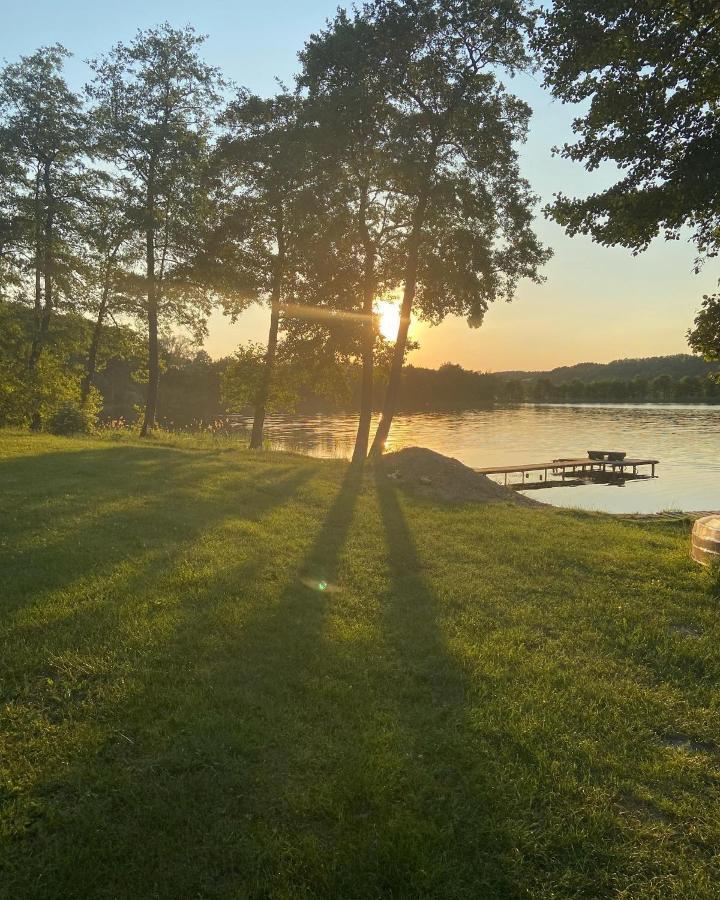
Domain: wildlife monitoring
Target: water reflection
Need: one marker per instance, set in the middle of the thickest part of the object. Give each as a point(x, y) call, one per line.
point(685, 438)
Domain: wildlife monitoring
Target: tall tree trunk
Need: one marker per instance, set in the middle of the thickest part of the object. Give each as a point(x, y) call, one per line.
point(48, 262)
point(151, 398)
point(91, 362)
point(34, 354)
point(362, 438)
point(148, 424)
point(393, 386)
point(256, 437)
point(35, 346)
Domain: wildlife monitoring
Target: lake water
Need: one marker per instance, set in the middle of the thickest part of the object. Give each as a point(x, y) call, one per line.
point(685, 438)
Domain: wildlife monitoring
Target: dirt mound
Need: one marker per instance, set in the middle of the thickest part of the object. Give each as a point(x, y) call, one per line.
point(441, 477)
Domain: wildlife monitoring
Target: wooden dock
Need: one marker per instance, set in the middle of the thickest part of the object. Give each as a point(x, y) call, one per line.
point(577, 469)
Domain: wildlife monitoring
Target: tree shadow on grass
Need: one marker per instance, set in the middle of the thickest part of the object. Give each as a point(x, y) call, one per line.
point(118, 506)
point(298, 727)
point(79, 622)
point(202, 741)
point(303, 764)
point(460, 815)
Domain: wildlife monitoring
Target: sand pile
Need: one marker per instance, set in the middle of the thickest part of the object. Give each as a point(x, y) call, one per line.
point(440, 477)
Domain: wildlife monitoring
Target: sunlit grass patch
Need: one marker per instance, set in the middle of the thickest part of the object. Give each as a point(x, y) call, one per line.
point(482, 701)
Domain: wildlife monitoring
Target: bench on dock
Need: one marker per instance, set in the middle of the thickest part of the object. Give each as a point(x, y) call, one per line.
point(610, 455)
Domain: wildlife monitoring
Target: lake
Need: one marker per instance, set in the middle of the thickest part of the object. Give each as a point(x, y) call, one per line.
point(685, 438)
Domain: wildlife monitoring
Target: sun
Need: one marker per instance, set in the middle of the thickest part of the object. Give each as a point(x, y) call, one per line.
point(389, 318)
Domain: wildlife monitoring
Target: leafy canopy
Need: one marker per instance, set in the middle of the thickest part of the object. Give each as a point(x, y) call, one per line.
point(154, 106)
point(647, 71)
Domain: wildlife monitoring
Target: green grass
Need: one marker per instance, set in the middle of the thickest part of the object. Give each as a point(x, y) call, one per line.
point(484, 702)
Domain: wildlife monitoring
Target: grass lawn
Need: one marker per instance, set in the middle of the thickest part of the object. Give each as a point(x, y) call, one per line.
point(483, 702)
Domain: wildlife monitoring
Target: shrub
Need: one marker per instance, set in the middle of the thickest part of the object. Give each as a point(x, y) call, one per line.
point(72, 418)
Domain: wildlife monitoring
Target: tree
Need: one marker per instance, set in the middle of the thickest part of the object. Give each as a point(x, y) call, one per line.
point(704, 338)
point(155, 102)
point(689, 389)
point(32, 398)
point(346, 76)
point(11, 178)
point(108, 258)
point(267, 153)
point(190, 387)
point(244, 378)
point(43, 136)
point(639, 388)
point(648, 72)
point(468, 238)
point(662, 388)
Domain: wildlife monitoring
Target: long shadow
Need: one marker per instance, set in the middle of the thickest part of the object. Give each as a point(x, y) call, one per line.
point(146, 503)
point(322, 561)
point(489, 786)
point(297, 724)
point(108, 588)
point(231, 682)
point(299, 727)
point(466, 822)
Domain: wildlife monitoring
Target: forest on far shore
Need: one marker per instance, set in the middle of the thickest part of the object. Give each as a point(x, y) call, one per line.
point(191, 390)
point(195, 389)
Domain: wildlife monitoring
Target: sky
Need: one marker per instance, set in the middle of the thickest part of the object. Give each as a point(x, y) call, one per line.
point(597, 303)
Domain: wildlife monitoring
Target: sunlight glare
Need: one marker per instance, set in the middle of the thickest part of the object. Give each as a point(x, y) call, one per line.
point(389, 316)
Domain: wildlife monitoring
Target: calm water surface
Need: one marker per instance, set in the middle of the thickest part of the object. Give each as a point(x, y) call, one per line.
point(685, 438)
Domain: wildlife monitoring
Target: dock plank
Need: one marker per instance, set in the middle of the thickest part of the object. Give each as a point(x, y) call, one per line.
point(566, 464)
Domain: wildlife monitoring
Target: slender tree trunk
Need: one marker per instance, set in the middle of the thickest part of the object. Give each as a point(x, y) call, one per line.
point(34, 353)
point(48, 263)
point(362, 438)
point(256, 437)
point(393, 386)
point(148, 424)
point(91, 362)
point(35, 346)
point(44, 260)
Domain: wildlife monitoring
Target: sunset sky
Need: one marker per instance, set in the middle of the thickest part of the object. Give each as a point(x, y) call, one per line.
point(597, 304)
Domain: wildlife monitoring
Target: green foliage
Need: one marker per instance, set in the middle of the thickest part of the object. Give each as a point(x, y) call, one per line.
point(43, 130)
point(154, 105)
point(33, 397)
point(646, 72)
point(424, 135)
point(194, 388)
point(676, 366)
point(30, 395)
point(704, 338)
point(14, 346)
point(242, 381)
point(72, 418)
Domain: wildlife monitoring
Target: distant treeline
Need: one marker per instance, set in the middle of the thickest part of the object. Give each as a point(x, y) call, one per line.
point(193, 387)
point(676, 366)
point(191, 390)
point(681, 378)
point(661, 389)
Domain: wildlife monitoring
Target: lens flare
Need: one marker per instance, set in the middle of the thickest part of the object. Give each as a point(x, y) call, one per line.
point(319, 584)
